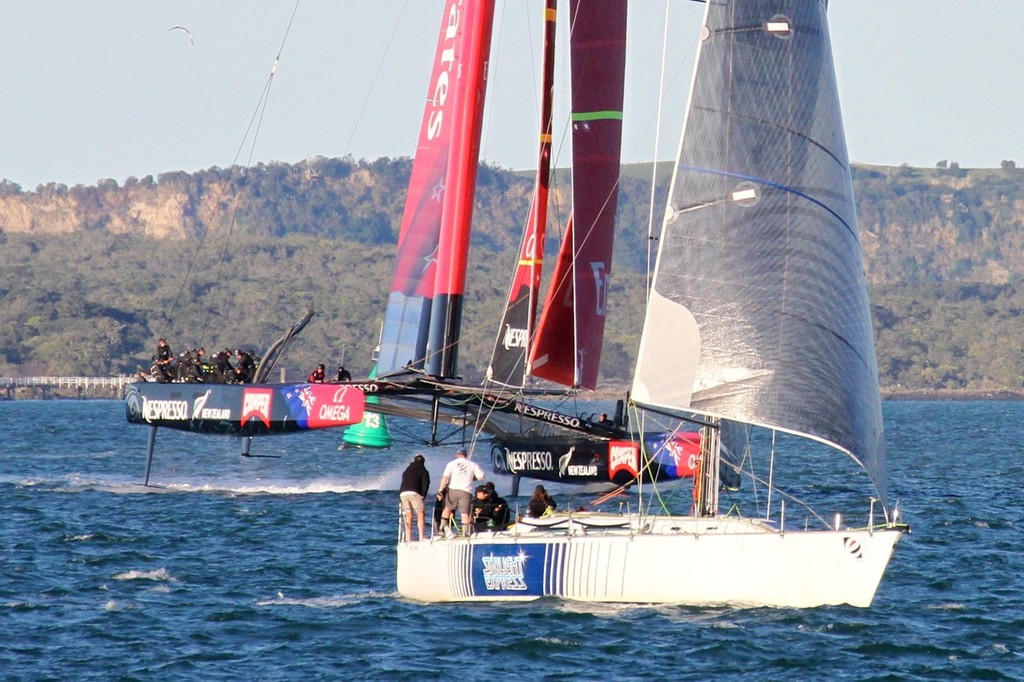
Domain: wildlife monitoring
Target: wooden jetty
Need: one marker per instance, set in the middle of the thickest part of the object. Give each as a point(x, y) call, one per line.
point(45, 388)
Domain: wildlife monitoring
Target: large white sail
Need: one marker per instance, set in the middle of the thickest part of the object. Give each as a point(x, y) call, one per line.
point(759, 310)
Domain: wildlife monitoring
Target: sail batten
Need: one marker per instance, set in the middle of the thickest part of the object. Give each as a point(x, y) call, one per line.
point(759, 311)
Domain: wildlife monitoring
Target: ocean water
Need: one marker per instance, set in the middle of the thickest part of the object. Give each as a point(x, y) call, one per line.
point(282, 567)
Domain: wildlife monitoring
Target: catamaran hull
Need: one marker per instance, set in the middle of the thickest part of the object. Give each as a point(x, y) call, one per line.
point(723, 565)
point(583, 459)
point(244, 409)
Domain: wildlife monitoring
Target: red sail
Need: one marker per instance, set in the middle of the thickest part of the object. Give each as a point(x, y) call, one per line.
point(460, 188)
point(571, 331)
point(508, 361)
point(438, 206)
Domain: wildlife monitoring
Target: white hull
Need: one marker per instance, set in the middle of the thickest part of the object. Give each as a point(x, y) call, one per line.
point(681, 560)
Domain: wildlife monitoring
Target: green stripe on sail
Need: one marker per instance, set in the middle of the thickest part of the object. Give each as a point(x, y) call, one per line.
point(597, 116)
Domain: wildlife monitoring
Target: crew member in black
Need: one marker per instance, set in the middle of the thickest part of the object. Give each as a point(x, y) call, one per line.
point(343, 374)
point(499, 505)
point(245, 369)
point(483, 510)
point(162, 361)
point(222, 369)
point(415, 485)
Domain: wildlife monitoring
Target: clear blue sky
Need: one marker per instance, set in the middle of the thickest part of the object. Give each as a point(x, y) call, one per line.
point(96, 89)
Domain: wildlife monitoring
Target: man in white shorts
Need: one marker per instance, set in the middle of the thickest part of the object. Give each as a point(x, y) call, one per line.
point(458, 478)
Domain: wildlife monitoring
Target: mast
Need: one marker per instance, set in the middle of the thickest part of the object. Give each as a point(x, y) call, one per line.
point(706, 482)
point(508, 361)
point(571, 330)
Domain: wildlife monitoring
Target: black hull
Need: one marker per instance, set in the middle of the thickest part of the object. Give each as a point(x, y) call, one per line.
point(243, 409)
point(582, 459)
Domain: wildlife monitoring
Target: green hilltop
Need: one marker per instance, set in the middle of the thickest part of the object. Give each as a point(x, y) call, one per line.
point(91, 276)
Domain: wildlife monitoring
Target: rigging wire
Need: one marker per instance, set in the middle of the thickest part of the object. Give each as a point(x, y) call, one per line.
point(373, 82)
point(257, 120)
point(654, 165)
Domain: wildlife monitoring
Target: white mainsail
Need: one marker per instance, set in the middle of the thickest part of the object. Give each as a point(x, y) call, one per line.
point(759, 310)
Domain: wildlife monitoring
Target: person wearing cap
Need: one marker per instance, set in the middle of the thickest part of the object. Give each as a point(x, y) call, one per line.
point(458, 478)
point(500, 512)
point(415, 486)
point(483, 510)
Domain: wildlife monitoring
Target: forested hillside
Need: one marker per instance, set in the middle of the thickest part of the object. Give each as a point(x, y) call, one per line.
point(91, 276)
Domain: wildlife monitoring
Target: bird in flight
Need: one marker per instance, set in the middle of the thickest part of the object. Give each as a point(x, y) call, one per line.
point(187, 32)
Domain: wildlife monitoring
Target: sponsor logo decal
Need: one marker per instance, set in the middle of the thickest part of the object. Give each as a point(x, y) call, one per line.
point(517, 461)
point(337, 410)
point(504, 572)
point(317, 406)
point(623, 456)
point(498, 462)
point(581, 470)
point(584, 466)
point(540, 413)
point(256, 402)
point(853, 547)
point(132, 406)
point(201, 411)
point(601, 277)
point(515, 337)
point(435, 119)
point(164, 410)
point(678, 455)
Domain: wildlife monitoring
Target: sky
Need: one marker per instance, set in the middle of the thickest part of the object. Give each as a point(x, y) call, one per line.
point(92, 89)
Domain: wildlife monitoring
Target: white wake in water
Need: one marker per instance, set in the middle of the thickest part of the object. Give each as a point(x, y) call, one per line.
point(336, 601)
point(389, 479)
point(159, 574)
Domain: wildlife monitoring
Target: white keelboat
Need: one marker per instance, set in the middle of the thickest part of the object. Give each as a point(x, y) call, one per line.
point(757, 322)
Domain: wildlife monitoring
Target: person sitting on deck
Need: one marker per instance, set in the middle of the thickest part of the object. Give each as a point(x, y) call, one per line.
point(343, 374)
point(541, 504)
point(245, 369)
point(317, 375)
point(190, 365)
point(483, 510)
point(501, 513)
point(221, 368)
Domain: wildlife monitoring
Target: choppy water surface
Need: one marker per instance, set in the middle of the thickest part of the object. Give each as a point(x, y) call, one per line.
point(283, 568)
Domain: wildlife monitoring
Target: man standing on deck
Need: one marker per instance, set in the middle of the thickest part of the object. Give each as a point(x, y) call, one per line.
point(164, 357)
point(415, 486)
point(458, 478)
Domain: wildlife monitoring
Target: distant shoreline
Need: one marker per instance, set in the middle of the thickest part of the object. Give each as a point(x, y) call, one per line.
point(601, 395)
point(924, 394)
point(949, 394)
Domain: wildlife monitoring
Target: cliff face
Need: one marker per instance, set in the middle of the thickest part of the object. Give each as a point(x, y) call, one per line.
point(156, 212)
point(917, 225)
